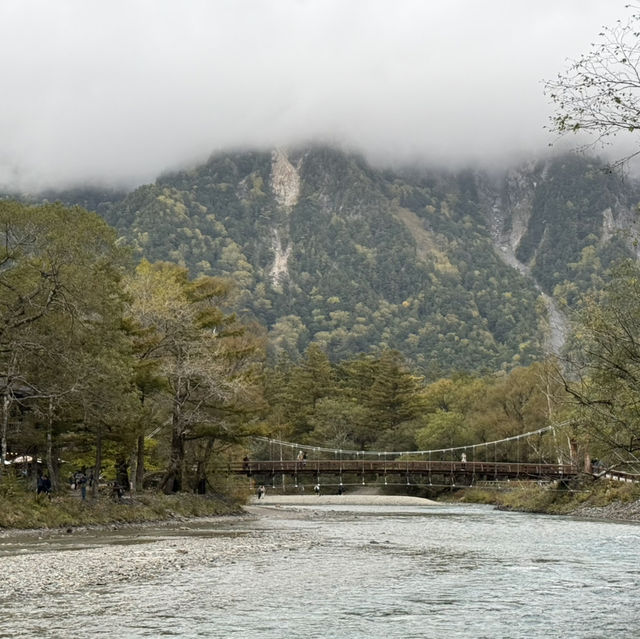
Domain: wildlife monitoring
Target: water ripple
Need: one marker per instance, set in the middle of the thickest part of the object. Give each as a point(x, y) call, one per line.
point(461, 572)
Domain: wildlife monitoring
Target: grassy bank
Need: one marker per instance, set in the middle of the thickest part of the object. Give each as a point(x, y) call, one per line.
point(23, 509)
point(556, 498)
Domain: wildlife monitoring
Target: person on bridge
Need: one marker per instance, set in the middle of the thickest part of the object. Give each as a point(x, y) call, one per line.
point(300, 456)
point(463, 459)
point(316, 489)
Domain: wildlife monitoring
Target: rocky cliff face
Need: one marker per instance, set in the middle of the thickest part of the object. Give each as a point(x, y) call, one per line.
point(512, 204)
point(508, 210)
point(285, 186)
point(285, 180)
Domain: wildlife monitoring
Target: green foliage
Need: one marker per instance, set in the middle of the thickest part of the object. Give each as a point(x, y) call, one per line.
point(351, 404)
point(204, 362)
point(95, 358)
point(373, 261)
point(378, 403)
point(64, 360)
point(362, 260)
point(562, 242)
point(604, 368)
point(367, 282)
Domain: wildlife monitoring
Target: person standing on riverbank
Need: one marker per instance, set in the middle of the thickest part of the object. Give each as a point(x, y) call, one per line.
point(81, 481)
point(261, 491)
point(44, 485)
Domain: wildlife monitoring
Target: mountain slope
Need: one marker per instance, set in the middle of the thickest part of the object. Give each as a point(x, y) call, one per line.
point(326, 248)
point(455, 270)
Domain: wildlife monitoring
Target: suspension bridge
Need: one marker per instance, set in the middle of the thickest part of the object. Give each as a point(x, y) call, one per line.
point(522, 457)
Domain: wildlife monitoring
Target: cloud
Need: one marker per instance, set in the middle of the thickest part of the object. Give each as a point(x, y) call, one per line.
point(118, 91)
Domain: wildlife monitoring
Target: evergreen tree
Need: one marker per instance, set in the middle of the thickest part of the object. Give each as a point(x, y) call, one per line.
point(207, 359)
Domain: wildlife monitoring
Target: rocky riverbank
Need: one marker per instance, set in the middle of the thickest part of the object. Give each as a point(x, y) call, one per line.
point(602, 499)
point(616, 511)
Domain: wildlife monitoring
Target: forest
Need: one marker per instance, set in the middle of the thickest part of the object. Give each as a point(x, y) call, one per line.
point(146, 375)
point(325, 248)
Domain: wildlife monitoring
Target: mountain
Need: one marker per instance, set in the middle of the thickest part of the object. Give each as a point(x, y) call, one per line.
point(457, 270)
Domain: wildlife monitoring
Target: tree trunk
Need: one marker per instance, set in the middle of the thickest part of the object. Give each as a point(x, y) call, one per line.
point(4, 426)
point(139, 468)
point(573, 452)
point(133, 478)
point(52, 465)
point(203, 462)
point(173, 480)
point(98, 465)
point(122, 473)
point(587, 457)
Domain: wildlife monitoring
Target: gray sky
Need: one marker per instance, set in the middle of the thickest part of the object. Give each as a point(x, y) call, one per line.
point(117, 91)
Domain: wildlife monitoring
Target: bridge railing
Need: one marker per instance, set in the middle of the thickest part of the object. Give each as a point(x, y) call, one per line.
point(504, 469)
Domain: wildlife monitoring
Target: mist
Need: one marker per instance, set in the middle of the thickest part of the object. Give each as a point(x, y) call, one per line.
point(117, 92)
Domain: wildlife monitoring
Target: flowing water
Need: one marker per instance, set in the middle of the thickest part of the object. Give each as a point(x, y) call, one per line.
point(359, 572)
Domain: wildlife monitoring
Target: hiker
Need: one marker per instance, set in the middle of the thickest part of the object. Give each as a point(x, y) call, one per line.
point(81, 481)
point(44, 485)
point(117, 491)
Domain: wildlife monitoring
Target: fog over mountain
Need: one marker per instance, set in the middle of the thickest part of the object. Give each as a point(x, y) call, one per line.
point(118, 92)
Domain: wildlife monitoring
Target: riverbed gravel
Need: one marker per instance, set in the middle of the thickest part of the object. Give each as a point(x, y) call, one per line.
point(77, 560)
point(55, 564)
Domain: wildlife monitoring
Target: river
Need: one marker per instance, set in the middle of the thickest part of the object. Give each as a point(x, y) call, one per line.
point(356, 572)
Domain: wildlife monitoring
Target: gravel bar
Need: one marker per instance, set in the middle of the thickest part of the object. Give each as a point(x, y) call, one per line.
point(90, 559)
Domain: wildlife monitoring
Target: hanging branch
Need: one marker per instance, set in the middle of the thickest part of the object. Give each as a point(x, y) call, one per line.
point(600, 91)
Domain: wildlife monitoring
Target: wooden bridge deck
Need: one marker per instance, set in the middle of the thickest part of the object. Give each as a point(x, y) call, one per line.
point(479, 469)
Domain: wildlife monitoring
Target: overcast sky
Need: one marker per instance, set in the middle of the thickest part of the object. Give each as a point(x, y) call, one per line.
point(116, 91)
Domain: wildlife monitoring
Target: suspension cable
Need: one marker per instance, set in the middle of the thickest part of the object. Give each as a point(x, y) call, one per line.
point(451, 450)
